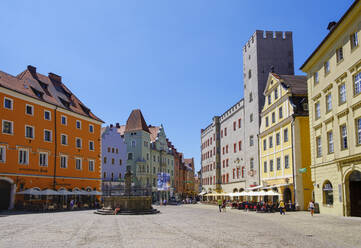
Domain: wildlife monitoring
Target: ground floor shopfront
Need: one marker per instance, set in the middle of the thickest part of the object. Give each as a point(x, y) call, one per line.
point(11, 184)
point(338, 187)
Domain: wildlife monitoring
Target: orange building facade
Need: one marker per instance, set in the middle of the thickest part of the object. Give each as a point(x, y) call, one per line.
point(49, 139)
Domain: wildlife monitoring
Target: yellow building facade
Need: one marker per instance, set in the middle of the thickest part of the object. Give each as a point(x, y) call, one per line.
point(334, 94)
point(284, 140)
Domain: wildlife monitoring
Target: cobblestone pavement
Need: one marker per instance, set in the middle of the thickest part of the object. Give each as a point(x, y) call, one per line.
point(179, 226)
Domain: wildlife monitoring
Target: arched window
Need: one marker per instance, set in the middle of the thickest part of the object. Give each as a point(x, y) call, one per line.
point(327, 193)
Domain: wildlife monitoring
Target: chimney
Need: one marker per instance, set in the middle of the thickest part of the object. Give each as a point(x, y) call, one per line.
point(117, 125)
point(54, 77)
point(32, 69)
point(331, 25)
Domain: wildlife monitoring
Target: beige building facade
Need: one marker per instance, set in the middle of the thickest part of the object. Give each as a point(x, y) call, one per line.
point(334, 94)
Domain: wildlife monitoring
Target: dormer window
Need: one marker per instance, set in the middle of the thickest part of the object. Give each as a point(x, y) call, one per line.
point(64, 102)
point(37, 93)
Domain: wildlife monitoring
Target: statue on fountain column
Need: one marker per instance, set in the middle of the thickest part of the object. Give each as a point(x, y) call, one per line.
point(128, 182)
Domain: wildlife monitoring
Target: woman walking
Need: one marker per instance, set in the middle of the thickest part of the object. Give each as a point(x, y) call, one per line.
point(311, 207)
point(282, 208)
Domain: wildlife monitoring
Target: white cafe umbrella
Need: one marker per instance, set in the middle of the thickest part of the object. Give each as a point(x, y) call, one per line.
point(65, 192)
point(49, 192)
point(95, 193)
point(31, 191)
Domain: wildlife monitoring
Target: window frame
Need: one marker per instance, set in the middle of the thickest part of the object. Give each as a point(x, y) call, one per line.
point(65, 118)
point(61, 161)
point(76, 143)
point(287, 164)
point(356, 84)
point(26, 157)
point(3, 153)
point(339, 55)
point(91, 128)
point(51, 135)
point(12, 127)
point(326, 67)
point(91, 142)
point(76, 165)
point(278, 163)
point(316, 78)
point(342, 85)
point(342, 137)
point(354, 40)
point(330, 143)
point(66, 139)
point(31, 107)
point(46, 159)
point(47, 111)
point(317, 110)
point(12, 103)
point(318, 147)
point(328, 102)
point(33, 132)
point(91, 161)
point(76, 124)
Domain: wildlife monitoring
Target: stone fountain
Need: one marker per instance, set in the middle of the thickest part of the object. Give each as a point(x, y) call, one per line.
point(127, 203)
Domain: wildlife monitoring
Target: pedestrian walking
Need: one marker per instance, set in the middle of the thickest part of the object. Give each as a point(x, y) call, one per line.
point(72, 204)
point(311, 207)
point(220, 205)
point(281, 206)
point(224, 205)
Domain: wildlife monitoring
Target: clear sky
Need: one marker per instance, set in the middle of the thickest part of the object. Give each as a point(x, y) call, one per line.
point(180, 62)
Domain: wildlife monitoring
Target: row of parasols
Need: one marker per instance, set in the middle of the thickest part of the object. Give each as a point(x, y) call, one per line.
point(243, 193)
point(61, 192)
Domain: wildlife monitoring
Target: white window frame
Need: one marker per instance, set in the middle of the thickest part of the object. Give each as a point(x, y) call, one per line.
point(12, 127)
point(66, 139)
point(315, 78)
point(357, 83)
point(26, 162)
point(354, 40)
point(46, 159)
point(264, 166)
point(91, 142)
point(91, 126)
point(47, 111)
point(76, 124)
point(276, 93)
point(76, 143)
point(317, 110)
point(342, 93)
point(318, 147)
point(32, 132)
point(343, 130)
point(271, 165)
point(330, 144)
point(285, 135)
point(51, 135)
point(287, 162)
point(32, 109)
point(12, 103)
point(91, 161)
point(66, 120)
point(278, 139)
point(81, 166)
point(328, 102)
point(339, 54)
point(280, 113)
point(358, 131)
point(65, 159)
point(3, 153)
point(278, 163)
point(326, 67)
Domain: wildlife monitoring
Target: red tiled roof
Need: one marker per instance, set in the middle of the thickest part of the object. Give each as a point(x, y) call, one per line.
point(153, 133)
point(45, 89)
point(297, 84)
point(136, 122)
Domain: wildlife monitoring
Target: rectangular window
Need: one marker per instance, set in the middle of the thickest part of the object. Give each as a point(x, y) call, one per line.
point(319, 147)
point(91, 128)
point(269, 99)
point(250, 117)
point(113, 160)
point(239, 123)
point(234, 126)
point(329, 102)
point(23, 156)
point(225, 131)
point(47, 115)
point(226, 148)
point(342, 93)
point(326, 67)
point(278, 138)
point(278, 163)
point(343, 131)
point(276, 93)
point(270, 142)
point(234, 147)
point(358, 127)
point(78, 163)
point(317, 110)
point(339, 54)
point(8, 103)
point(2, 154)
point(227, 162)
point(91, 165)
point(29, 109)
point(273, 117)
point(63, 161)
point(78, 124)
point(130, 156)
point(330, 142)
point(315, 78)
point(267, 121)
point(64, 139)
point(271, 165)
point(285, 135)
point(63, 120)
point(43, 159)
point(357, 83)
point(251, 140)
point(78, 142)
point(29, 132)
point(7, 127)
point(280, 113)
point(354, 40)
point(265, 166)
point(265, 144)
point(47, 135)
point(104, 160)
point(251, 164)
point(287, 162)
point(239, 145)
point(91, 145)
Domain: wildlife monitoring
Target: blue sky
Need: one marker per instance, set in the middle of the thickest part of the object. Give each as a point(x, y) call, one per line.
point(180, 62)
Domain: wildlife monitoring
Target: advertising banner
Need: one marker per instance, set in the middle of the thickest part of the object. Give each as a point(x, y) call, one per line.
point(163, 182)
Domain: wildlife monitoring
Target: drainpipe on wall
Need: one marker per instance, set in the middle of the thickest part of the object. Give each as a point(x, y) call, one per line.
point(55, 148)
point(294, 172)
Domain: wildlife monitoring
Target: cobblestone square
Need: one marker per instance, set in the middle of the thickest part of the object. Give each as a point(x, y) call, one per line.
point(179, 226)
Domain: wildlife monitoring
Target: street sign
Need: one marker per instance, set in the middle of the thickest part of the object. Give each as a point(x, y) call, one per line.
point(302, 170)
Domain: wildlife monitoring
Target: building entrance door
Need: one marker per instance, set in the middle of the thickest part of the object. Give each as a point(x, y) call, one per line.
point(287, 196)
point(5, 191)
point(355, 193)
